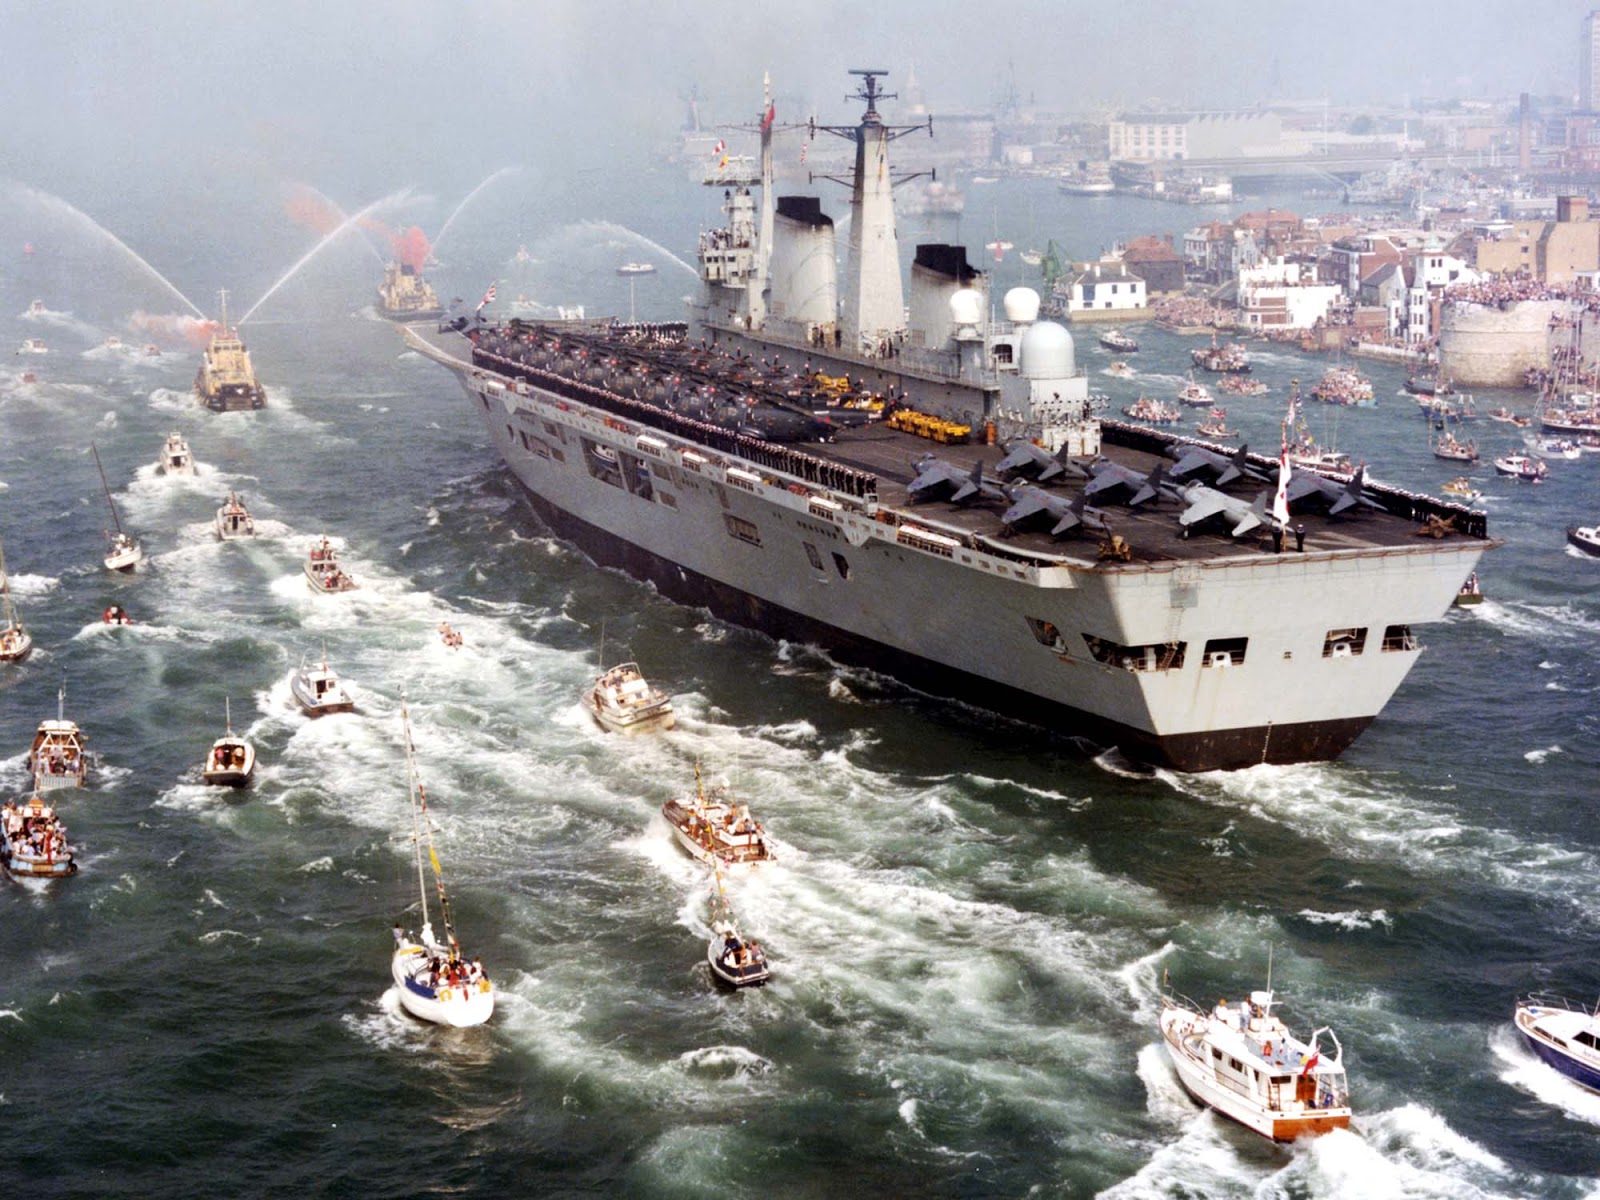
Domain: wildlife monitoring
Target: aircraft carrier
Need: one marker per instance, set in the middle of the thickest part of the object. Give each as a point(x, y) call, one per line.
point(1104, 581)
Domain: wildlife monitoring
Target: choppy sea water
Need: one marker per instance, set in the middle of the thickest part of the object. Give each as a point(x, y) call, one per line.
point(970, 921)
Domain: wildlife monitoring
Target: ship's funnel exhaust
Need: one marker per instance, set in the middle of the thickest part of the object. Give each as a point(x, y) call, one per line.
point(804, 271)
point(938, 272)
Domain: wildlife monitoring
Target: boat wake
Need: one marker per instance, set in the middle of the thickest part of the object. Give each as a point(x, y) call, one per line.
point(1521, 1069)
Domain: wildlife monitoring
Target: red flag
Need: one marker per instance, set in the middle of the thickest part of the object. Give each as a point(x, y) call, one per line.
point(766, 121)
point(718, 148)
point(1311, 1062)
point(488, 298)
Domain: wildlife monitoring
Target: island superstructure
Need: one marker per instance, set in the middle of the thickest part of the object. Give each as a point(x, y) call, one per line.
point(226, 381)
point(1110, 622)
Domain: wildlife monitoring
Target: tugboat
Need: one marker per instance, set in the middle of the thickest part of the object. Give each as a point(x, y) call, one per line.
point(622, 702)
point(57, 755)
point(323, 573)
point(124, 553)
point(318, 691)
point(226, 382)
point(1195, 395)
point(33, 841)
point(1243, 1062)
point(234, 520)
point(715, 827)
point(175, 457)
point(436, 982)
point(16, 643)
point(232, 759)
point(404, 295)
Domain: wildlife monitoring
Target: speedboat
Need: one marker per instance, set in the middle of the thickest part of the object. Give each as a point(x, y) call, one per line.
point(1471, 592)
point(175, 457)
point(1243, 1062)
point(1564, 1037)
point(1115, 339)
point(715, 827)
point(16, 643)
point(1522, 466)
point(623, 702)
point(33, 346)
point(323, 573)
point(1585, 538)
point(57, 755)
point(636, 268)
point(735, 960)
point(1461, 488)
point(318, 691)
point(232, 759)
point(33, 841)
point(436, 982)
point(234, 519)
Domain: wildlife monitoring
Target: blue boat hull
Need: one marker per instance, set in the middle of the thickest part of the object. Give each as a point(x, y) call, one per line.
point(1579, 1073)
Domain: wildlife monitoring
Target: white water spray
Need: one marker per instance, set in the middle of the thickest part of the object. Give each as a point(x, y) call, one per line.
point(451, 219)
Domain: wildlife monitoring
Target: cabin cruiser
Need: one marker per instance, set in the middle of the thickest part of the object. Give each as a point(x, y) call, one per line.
point(715, 827)
point(318, 691)
point(623, 702)
point(1195, 395)
point(1555, 447)
point(1243, 1062)
point(57, 756)
point(33, 841)
point(1585, 538)
point(1115, 339)
point(1563, 1037)
point(1522, 466)
point(323, 573)
point(175, 457)
point(234, 519)
point(232, 759)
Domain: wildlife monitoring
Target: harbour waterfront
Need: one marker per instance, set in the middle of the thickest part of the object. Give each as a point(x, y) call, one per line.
point(969, 920)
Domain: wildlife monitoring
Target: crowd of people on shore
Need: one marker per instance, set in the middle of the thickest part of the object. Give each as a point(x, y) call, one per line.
point(1502, 291)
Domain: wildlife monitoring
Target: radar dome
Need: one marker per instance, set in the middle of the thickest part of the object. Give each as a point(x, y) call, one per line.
point(1022, 305)
point(1047, 352)
point(966, 306)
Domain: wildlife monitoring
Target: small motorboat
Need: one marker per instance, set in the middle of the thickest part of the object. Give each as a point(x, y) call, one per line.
point(318, 691)
point(33, 841)
point(1115, 339)
point(124, 552)
point(1522, 466)
point(735, 960)
point(636, 268)
point(623, 702)
point(1453, 449)
point(1506, 417)
point(1585, 538)
point(1563, 1037)
point(36, 308)
point(175, 457)
point(323, 573)
point(232, 759)
point(33, 346)
point(1461, 488)
point(1560, 448)
point(1215, 425)
point(1243, 1062)
point(436, 982)
point(1471, 592)
point(16, 643)
point(1195, 395)
point(115, 614)
point(57, 756)
point(715, 827)
point(1120, 369)
point(234, 520)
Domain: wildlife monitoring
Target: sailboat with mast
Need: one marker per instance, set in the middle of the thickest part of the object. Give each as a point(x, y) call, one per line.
point(734, 958)
point(125, 553)
point(436, 981)
point(232, 759)
point(16, 643)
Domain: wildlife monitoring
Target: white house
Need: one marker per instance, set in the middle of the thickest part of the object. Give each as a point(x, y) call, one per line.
point(1104, 287)
point(1284, 295)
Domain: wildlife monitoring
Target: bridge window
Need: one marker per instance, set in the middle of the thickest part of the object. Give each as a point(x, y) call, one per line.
point(1344, 643)
point(1225, 652)
point(1398, 637)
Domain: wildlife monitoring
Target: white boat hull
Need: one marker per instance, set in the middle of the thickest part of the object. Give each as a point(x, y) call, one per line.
point(125, 560)
point(237, 770)
point(18, 647)
point(334, 700)
point(752, 974)
point(641, 720)
point(460, 1007)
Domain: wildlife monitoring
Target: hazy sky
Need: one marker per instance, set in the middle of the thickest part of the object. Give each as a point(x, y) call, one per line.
point(369, 93)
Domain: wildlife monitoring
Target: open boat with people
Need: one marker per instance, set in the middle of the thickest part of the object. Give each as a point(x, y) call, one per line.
point(1153, 411)
point(734, 959)
point(57, 756)
point(1231, 359)
point(623, 702)
point(124, 552)
point(323, 573)
point(1215, 426)
point(33, 841)
point(1461, 488)
point(115, 614)
point(234, 520)
point(715, 827)
point(1471, 592)
point(319, 692)
point(232, 759)
point(1453, 449)
point(16, 643)
point(1243, 1062)
point(1562, 1036)
point(176, 458)
point(436, 981)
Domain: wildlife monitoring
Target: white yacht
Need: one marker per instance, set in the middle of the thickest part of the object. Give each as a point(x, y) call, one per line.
point(176, 458)
point(715, 827)
point(318, 691)
point(234, 520)
point(623, 702)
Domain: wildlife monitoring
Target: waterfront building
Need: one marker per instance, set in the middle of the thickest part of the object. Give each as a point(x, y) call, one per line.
point(1589, 63)
point(1284, 295)
point(1154, 260)
point(1103, 287)
point(1550, 251)
point(1179, 135)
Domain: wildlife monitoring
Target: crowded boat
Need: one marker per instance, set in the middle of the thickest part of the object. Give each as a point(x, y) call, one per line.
point(33, 841)
point(715, 827)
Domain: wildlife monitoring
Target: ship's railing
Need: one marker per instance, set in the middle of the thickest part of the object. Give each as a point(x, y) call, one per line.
point(783, 459)
point(1416, 506)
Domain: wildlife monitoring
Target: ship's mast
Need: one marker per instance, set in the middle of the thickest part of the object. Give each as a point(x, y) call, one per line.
point(758, 289)
point(873, 300)
point(224, 294)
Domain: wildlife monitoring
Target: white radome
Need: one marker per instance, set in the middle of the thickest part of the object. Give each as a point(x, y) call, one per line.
point(1022, 305)
point(966, 306)
point(1048, 352)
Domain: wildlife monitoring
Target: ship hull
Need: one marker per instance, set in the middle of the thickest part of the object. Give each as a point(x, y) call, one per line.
point(1223, 749)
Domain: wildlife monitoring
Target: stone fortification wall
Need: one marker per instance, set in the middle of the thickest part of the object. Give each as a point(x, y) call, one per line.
point(1485, 345)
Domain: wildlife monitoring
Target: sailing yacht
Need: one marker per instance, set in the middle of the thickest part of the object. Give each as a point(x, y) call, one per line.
point(125, 553)
point(733, 958)
point(232, 759)
point(16, 643)
point(436, 981)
